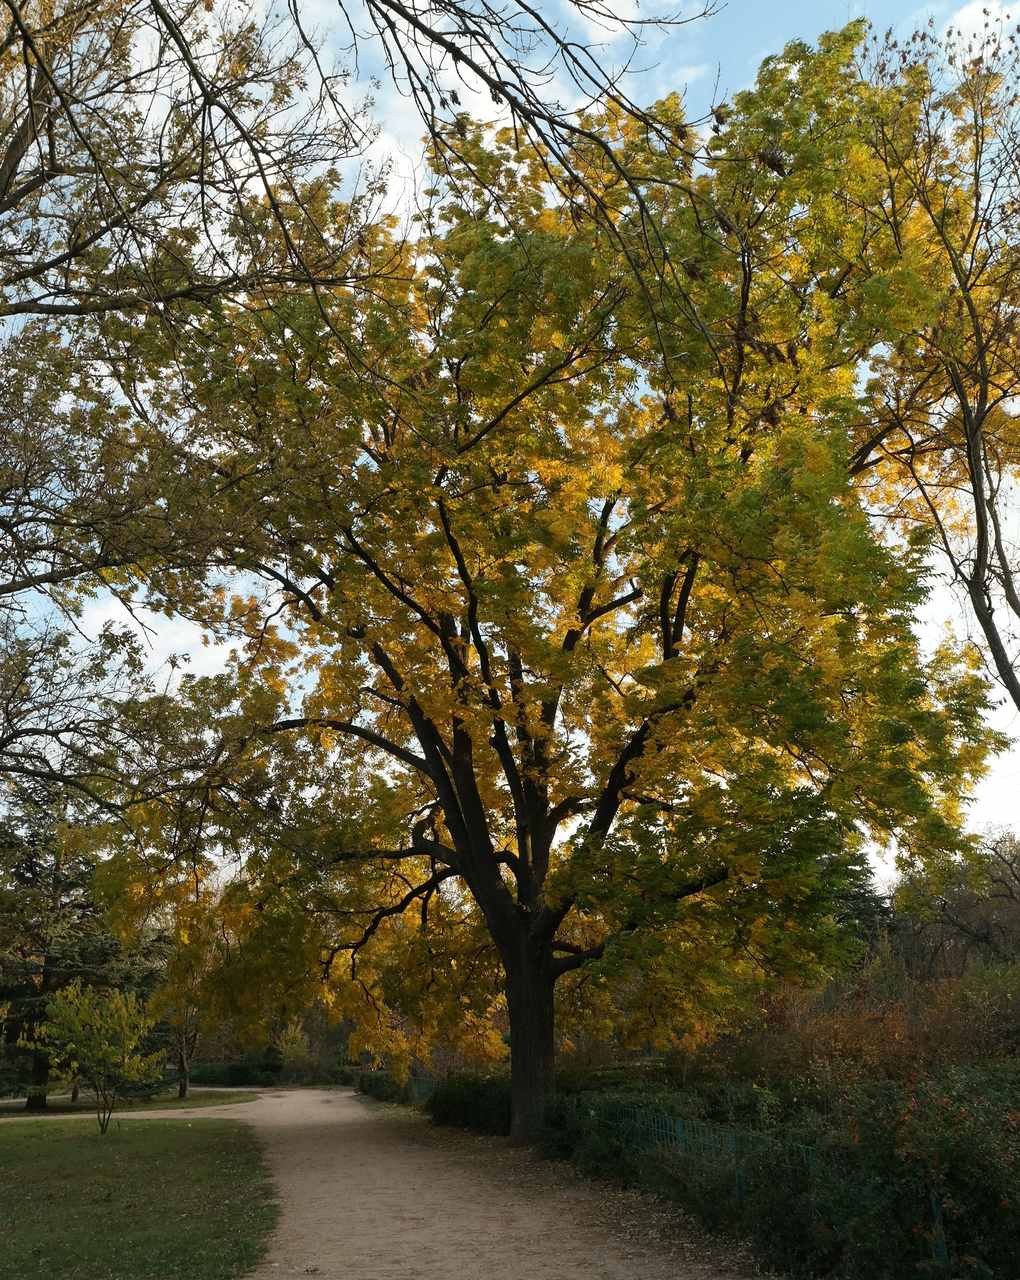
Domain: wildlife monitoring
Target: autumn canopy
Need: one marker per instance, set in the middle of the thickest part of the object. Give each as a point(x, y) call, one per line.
point(566, 537)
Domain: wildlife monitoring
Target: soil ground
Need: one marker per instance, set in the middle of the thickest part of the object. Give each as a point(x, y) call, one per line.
point(375, 1192)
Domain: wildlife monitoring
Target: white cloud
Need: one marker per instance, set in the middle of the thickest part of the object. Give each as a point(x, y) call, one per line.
point(980, 18)
point(608, 26)
point(173, 646)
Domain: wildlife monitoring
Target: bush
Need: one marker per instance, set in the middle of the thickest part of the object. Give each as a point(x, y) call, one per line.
point(959, 1132)
point(252, 1072)
point(212, 1074)
point(481, 1103)
point(577, 1127)
point(146, 1090)
point(721, 1098)
point(640, 1076)
point(233, 1075)
point(894, 1181)
point(380, 1085)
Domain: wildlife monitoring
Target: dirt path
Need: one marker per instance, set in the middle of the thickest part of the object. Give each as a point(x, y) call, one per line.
point(372, 1192)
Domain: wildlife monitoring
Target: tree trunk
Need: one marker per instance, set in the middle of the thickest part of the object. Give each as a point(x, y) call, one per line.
point(183, 1074)
point(36, 1100)
point(76, 1091)
point(530, 1002)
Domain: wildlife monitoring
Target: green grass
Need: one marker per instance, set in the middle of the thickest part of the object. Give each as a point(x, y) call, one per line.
point(150, 1200)
point(62, 1105)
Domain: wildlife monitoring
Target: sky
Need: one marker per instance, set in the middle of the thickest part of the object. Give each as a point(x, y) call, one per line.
point(742, 33)
point(714, 59)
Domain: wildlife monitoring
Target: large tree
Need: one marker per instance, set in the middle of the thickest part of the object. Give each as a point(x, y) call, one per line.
point(580, 578)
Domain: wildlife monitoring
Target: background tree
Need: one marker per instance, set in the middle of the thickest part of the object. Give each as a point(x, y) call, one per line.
point(188, 934)
point(53, 929)
point(902, 156)
point(933, 184)
point(133, 133)
point(143, 148)
point(963, 911)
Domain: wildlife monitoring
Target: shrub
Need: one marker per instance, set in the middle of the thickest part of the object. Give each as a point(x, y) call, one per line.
point(481, 1103)
point(640, 1076)
point(209, 1073)
point(384, 1087)
point(959, 1131)
point(233, 1075)
point(380, 1085)
point(250, 1072)
point(894, 1181)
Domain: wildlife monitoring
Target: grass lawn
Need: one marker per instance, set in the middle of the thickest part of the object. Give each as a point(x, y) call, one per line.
point(150, 1200)
point(61, 1104)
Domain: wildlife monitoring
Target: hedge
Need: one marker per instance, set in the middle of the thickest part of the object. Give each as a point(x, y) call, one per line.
point(481, 1103)
point(233, 1075)
point(386, 1088)
point(245, 1074)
